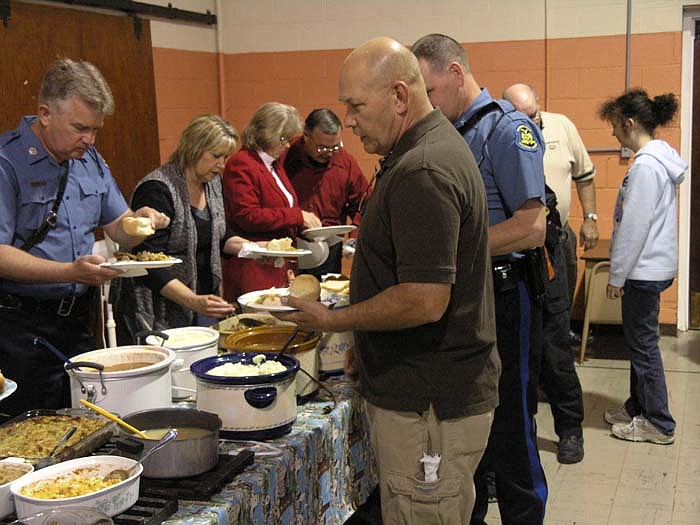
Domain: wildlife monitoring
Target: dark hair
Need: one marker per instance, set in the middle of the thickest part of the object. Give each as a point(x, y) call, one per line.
point(636, 104)
point(324, 119)
point(440, 51)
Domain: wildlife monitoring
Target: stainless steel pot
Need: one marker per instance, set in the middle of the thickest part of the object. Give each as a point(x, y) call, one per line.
point(184, 456)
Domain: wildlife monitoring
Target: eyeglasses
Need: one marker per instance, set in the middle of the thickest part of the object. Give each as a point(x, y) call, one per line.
point(329, 149)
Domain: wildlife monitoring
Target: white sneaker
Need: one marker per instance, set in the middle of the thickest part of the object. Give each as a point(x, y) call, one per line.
point(619, 415)
point(640, 429)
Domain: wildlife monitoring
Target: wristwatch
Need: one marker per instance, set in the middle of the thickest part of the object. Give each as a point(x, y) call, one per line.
point(592, 216)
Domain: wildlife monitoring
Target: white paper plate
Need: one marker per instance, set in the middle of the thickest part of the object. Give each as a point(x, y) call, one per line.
point(264, 252)
point(10, 387)
point(328, 231)
point(140, 265)
point(247, 300)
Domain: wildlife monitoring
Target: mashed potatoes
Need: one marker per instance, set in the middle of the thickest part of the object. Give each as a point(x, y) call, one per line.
point(262, 367)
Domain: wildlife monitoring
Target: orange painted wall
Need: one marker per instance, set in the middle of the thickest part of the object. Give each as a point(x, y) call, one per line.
point(572, 76)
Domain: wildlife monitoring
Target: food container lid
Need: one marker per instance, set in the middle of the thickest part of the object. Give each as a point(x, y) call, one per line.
point(186, 338)
point(201, 367)
point(270, 339)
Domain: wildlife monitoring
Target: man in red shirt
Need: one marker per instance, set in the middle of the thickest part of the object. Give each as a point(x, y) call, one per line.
point(327, 179)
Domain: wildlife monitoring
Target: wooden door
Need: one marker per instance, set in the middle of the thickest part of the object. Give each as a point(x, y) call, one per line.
point(37, 35)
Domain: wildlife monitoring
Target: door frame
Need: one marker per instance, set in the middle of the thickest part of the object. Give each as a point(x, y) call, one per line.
point(691, 15)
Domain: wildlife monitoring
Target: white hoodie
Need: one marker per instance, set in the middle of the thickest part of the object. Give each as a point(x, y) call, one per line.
point(644, 243)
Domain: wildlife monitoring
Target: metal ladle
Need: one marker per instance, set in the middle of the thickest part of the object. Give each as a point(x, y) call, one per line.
point(121, 474)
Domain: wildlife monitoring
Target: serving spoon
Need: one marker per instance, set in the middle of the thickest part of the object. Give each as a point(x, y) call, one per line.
point(49, 460)
point(121, 474)
point(114, 418)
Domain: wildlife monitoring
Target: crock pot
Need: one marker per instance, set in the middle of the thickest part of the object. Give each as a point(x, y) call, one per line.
point(190, 344)
point(271, 339)
point(184, 456)
point(250, 407)
point(147, 385)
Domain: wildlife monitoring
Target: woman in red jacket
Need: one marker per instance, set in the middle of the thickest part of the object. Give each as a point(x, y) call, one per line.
point(260, 201)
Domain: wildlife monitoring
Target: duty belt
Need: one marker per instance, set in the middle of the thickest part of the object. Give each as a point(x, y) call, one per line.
point(64, 307)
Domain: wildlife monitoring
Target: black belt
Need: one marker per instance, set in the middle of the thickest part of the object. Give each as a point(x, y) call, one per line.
point(69, 306)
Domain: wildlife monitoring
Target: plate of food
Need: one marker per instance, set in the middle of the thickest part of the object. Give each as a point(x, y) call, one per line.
point(140, 261)
point(325, 232)
point(8, 389)
point(265, 252)
point(269, 300)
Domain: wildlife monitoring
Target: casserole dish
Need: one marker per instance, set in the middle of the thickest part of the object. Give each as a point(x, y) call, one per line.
point(250, 407)
point(33, 434)
point(112, 500)
point(20, 468)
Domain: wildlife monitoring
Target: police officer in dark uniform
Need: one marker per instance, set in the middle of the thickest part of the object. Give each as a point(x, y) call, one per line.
point(509, 152)
point(54, 190)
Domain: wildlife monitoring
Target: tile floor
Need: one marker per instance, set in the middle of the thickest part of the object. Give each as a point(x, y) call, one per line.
point(620, 482)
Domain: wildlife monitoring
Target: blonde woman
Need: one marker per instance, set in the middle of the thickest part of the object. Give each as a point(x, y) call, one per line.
point(260, 202)
point(188, 190)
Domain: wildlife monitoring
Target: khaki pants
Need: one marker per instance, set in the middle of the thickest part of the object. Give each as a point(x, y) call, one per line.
point(400, 439)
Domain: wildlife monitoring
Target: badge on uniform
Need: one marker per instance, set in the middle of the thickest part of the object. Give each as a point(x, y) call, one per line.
point(524, 138)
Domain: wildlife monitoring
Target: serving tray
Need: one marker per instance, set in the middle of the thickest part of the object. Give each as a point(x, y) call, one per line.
point(74, 448)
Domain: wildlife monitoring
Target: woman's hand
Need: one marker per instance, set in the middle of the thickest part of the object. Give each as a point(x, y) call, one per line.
point(212, 306)
point(310, 220)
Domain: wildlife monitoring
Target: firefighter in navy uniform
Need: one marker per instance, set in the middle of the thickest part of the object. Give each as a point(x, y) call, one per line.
point(509, 151)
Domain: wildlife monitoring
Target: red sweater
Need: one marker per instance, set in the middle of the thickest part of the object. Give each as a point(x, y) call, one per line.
point(332, 191)
point(257, 209)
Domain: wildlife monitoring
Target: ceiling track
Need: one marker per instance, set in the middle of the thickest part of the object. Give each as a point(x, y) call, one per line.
point(133, 9)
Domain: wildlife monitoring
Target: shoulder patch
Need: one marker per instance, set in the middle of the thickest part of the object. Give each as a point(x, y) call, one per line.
point(524, 137)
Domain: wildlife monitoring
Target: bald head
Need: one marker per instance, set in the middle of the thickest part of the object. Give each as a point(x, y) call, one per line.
point(524, 98)
point(384, 60)
point(384, 93)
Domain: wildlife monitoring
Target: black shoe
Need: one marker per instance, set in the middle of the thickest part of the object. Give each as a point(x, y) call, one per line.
point(570, 449)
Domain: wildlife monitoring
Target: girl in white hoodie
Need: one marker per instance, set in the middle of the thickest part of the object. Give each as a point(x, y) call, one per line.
point(644, 257)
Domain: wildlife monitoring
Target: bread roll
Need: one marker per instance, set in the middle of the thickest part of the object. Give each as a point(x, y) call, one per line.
point(140, 226)
point(305, 287)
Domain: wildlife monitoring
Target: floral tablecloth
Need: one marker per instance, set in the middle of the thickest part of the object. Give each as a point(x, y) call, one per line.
point(319, 473)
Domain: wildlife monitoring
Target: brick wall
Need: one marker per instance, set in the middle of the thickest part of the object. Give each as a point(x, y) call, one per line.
point(572, 75)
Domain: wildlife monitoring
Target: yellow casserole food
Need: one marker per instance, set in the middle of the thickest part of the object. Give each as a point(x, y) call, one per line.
point(35, 437)
point(78, 483)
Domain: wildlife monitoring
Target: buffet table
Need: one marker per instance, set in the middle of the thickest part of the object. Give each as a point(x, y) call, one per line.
point(319, 473)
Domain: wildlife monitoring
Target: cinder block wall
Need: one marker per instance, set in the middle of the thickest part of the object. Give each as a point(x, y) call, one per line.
point(292, 53)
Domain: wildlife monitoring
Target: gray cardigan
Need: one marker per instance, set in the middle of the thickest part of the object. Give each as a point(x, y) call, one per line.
point(161, 313)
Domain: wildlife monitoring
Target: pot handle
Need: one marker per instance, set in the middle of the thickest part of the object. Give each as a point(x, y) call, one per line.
point(86, 364)
point(130, 446)
point(177, 366)
point(260, 397)
point(141, 336)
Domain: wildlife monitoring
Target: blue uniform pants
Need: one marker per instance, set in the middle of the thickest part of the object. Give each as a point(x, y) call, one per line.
point(511, 453)
point(640, 322)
